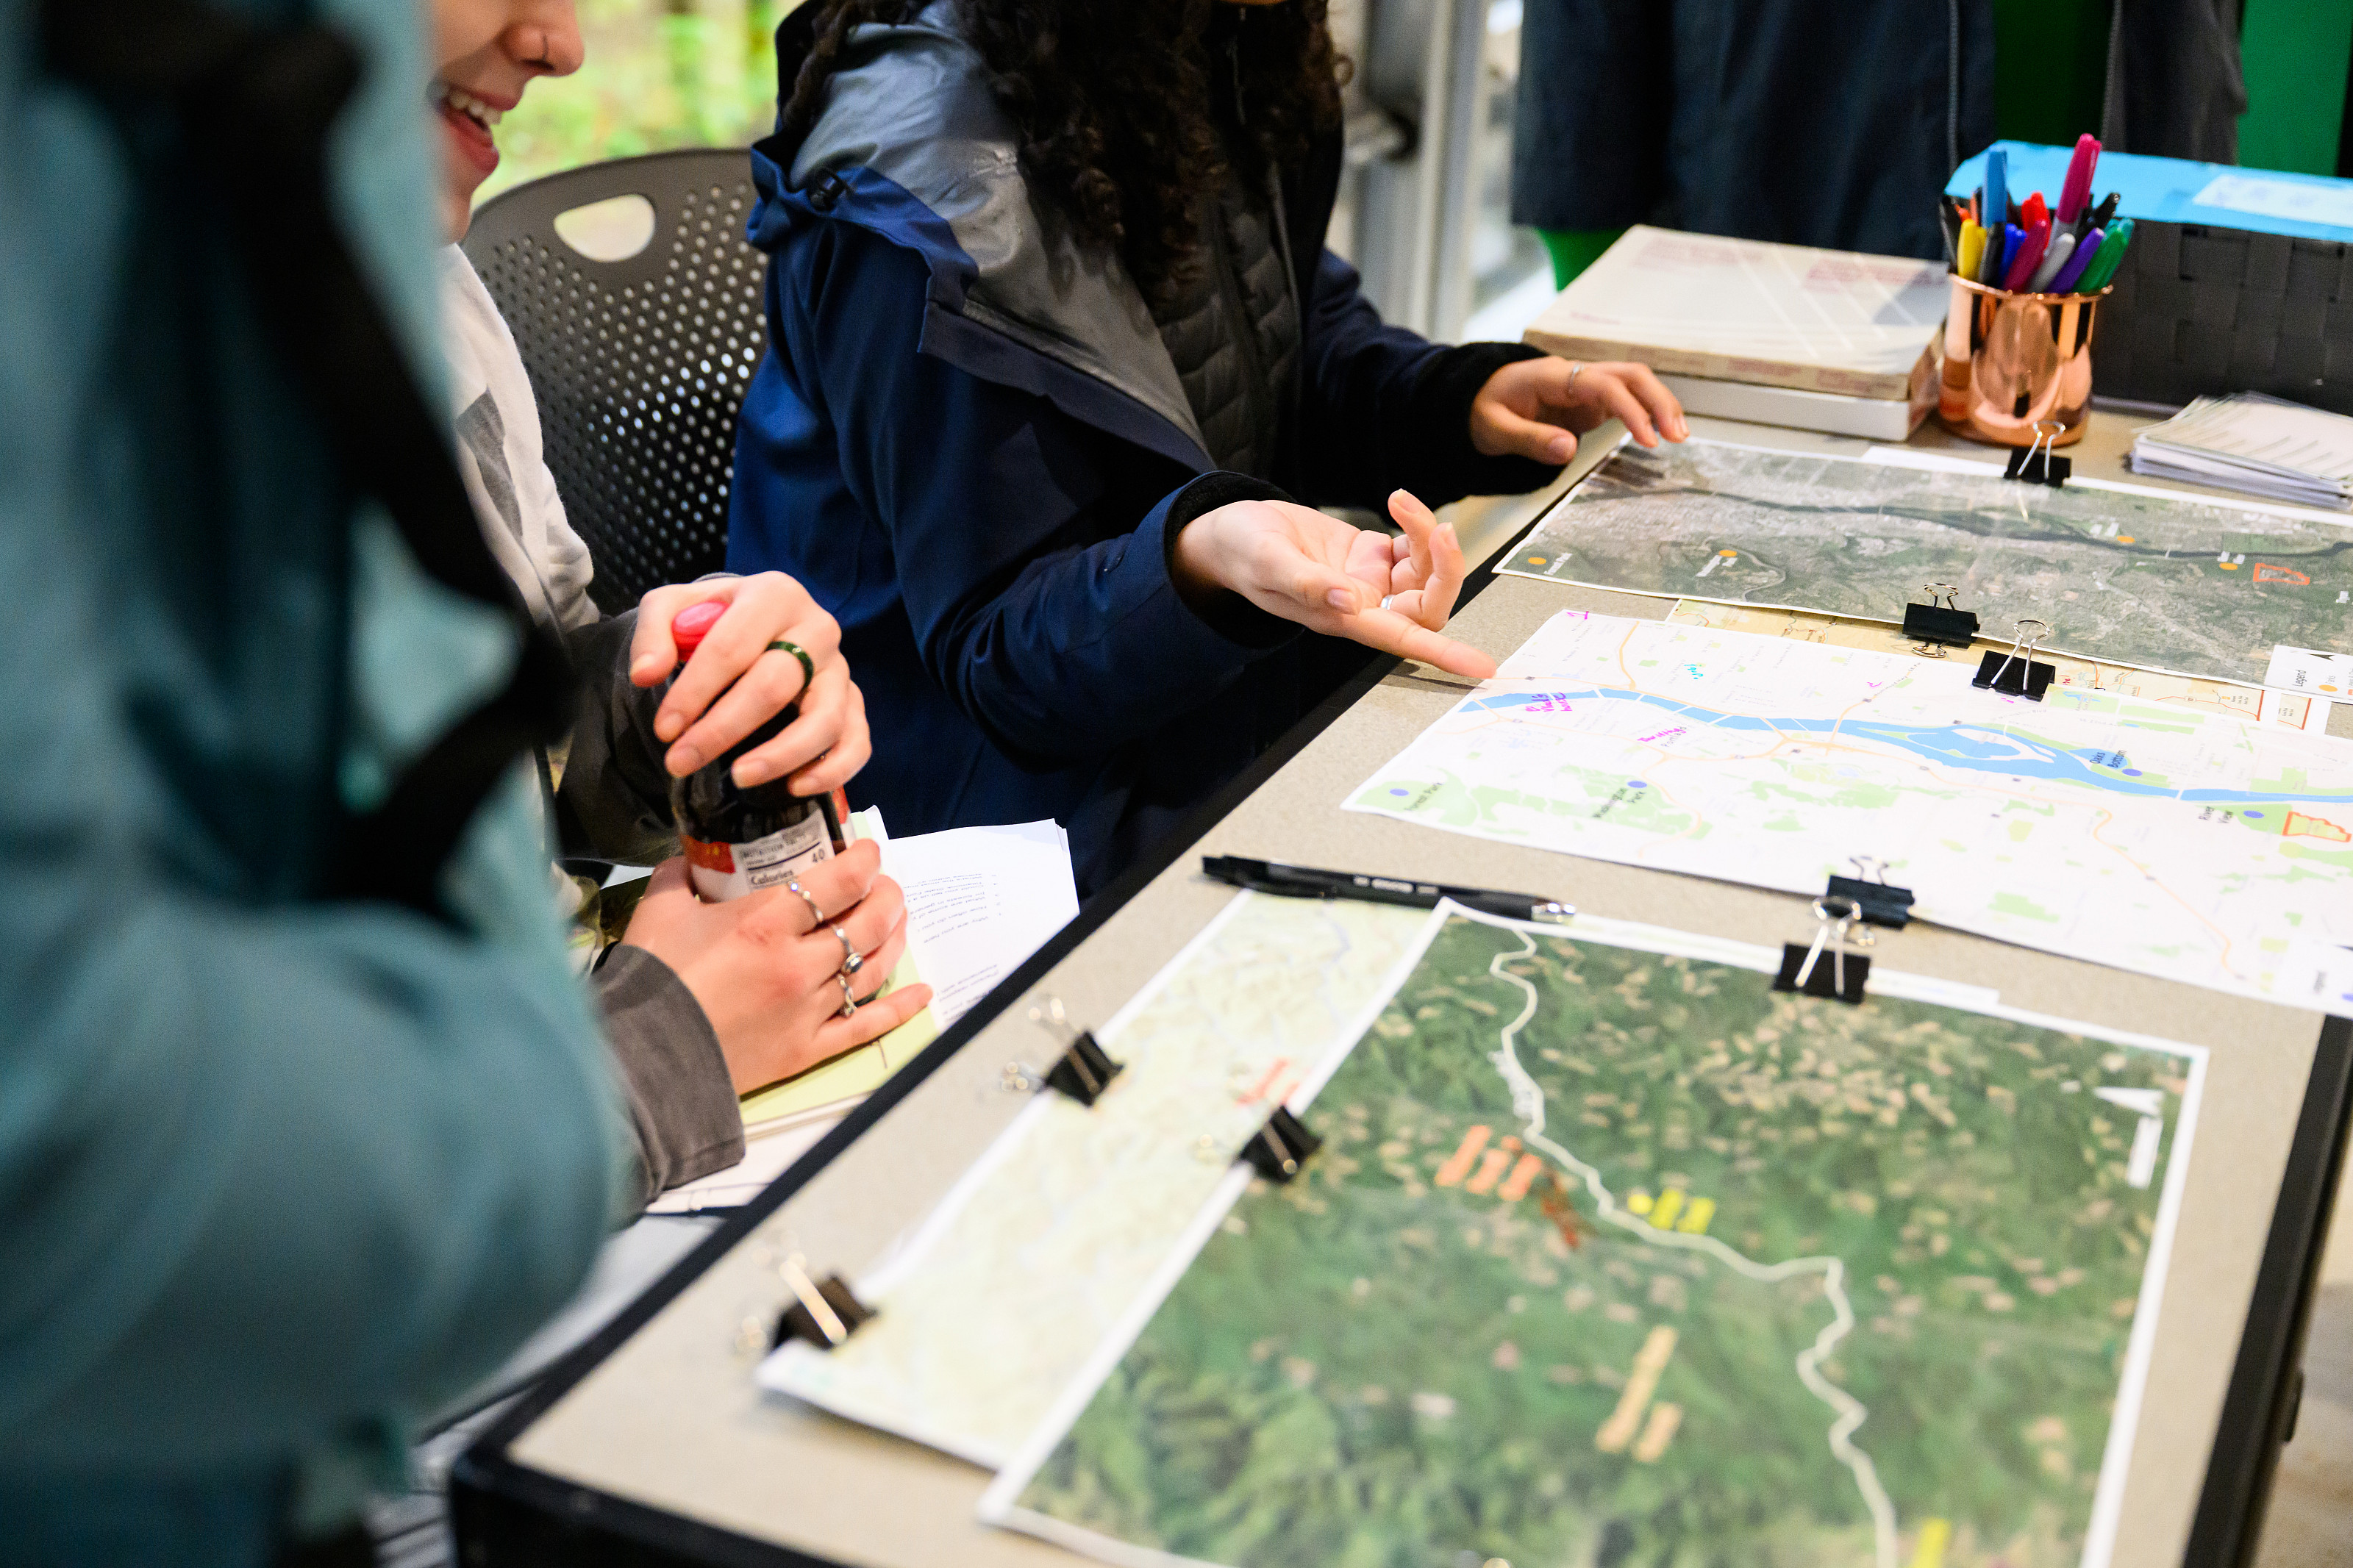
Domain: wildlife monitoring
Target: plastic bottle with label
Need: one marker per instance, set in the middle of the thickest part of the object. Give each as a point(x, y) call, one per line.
point(739, 839)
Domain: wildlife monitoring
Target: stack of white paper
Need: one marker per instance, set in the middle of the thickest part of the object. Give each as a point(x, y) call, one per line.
point(2283, 451)
point(979, 901)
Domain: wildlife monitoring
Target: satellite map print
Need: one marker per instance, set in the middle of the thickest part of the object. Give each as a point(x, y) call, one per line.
point(1616, 1256)
point(2180, 582)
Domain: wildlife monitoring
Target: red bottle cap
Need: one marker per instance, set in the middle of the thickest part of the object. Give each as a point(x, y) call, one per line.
point(693, 624)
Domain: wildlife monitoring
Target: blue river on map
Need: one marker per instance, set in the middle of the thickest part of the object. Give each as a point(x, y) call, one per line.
point(1976, 747)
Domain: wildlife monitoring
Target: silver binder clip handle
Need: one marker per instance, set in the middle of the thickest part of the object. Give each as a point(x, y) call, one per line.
point(1834, 922)
point(795, 1270)
point(2022, 649)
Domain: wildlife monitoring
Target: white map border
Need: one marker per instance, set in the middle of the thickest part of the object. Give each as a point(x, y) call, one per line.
point(999, 1505)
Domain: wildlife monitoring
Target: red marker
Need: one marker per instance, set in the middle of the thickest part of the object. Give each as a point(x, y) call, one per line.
point(2077, 191)
point(2032, 211)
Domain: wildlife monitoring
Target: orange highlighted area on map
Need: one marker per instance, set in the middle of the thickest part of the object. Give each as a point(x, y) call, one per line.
point(2300, 825)
point(1626, 1427)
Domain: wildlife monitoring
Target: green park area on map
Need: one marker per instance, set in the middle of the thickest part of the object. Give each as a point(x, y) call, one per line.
point(1676, 1270)
point(2178, 581)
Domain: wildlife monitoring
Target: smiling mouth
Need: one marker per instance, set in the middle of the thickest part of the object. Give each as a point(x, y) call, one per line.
point(460, 101)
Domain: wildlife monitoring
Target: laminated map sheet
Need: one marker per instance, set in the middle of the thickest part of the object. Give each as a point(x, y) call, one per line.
point(993, 1305)
point(1612, 1254)
point(2185, 843)
point(2129, 573)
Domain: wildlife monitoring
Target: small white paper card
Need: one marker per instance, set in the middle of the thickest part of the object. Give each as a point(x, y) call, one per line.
point(2311, 672)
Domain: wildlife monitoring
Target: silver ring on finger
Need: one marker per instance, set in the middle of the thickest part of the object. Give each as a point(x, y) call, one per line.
point(852, 961)
point(793, 886)
point(849, 996)
point(1576, 369)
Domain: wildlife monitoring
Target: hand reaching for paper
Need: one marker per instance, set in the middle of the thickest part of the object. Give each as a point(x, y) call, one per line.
point(1333, 577)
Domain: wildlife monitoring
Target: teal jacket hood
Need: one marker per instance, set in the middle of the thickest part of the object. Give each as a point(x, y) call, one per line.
point(276, 1175)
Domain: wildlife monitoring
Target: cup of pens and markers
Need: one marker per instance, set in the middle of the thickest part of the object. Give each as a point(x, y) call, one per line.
point(2028, 279)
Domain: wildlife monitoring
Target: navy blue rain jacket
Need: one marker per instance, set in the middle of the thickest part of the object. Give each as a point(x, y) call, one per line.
point(991, 524)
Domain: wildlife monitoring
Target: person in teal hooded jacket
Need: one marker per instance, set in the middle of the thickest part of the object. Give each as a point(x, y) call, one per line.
point(277, 1172)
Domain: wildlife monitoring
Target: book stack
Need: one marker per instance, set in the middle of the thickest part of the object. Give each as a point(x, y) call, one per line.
point(1777, 334)
point(2279, 450)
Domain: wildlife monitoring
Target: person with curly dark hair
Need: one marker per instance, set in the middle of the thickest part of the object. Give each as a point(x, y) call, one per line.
point(1055, 344)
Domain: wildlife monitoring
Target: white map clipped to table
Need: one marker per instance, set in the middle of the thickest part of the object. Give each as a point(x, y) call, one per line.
point(2189, 845)
point(1033, 1257)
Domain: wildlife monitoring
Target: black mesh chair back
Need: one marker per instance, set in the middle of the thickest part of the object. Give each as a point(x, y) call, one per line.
point(639, 364)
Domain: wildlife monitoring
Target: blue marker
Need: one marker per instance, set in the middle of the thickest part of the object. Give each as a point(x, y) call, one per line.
point(1996, 210)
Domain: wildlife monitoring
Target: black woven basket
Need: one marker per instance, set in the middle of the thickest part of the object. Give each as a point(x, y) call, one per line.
point(640, 365)
point(2200, 310)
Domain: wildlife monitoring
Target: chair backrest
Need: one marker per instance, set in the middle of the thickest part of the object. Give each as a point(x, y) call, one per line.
point(639, 363)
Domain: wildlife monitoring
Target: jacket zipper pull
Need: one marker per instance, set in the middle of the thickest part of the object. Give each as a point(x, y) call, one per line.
point(1234, 58)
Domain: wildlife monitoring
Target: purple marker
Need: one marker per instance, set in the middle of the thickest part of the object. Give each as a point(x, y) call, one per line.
point(2076, 263)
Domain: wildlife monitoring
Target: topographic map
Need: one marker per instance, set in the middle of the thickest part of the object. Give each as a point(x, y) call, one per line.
point(1613, 1255)
point(2159, 837)
point(1029, 1263)
point(2178, 581)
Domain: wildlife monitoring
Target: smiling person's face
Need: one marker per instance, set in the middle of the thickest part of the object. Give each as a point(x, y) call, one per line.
point(486, 52)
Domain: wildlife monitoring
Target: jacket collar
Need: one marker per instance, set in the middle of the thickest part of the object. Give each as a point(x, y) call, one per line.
point(912, 144)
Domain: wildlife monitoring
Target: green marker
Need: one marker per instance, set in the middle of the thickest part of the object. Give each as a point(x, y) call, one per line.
point(2111, 255)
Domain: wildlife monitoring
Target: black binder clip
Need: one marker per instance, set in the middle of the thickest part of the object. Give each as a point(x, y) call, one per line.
point(1278, 1149)
point(2040, 463)
point(1840, 980)
point(1083, 1070)
point(823, 1314)
point(1875, 902)
point(2015, 673)
point(1940, 623)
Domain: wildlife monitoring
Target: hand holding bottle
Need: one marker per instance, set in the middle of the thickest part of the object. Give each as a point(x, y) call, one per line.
point(769, 978)
point(753, 682)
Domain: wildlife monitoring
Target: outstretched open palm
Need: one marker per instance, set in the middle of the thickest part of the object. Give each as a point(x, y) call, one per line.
point(1391, 593)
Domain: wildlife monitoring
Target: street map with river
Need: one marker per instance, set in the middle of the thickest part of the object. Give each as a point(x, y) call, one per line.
point(2163, 579)
point(1614, 1255)
point(2191, 844)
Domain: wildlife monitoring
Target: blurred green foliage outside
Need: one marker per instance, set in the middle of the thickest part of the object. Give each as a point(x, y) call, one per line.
point(659, 73)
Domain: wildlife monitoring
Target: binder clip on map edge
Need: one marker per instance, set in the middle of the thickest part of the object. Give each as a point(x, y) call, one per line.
point(1875, 901)
point(1840, 980)
point(2015, 673)
point(1940, 623)
point(2040, 463)
point(1082, 1072)
point(823, 1314)
point(1278, 1149)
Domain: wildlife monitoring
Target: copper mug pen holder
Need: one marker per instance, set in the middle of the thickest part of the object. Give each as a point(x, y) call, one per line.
point(2017, 364)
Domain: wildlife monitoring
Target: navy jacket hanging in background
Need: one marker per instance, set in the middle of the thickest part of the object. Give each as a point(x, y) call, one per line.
point(1827, 122)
